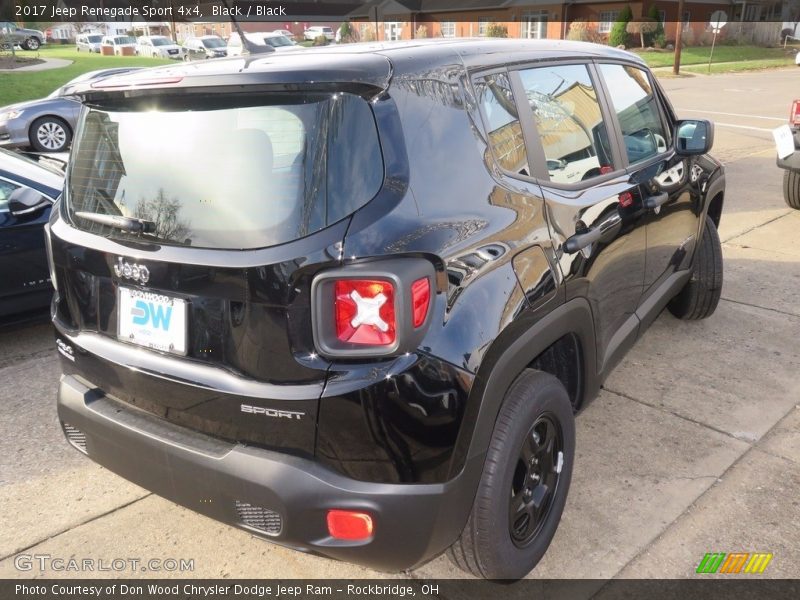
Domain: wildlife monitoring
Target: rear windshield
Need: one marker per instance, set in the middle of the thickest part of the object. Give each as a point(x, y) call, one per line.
point(94, 39)
point(213, 42)
point(247, 175)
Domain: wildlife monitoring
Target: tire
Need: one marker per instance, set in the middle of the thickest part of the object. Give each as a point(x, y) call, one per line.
point(49, 134)
point(32, 43)
point(791, 189)
point(699, 297)
point(493, 545)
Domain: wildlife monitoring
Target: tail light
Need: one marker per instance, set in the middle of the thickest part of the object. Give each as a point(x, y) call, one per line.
point(365, 312)
point(794, 117)
point(372, 309)
point(349, 525)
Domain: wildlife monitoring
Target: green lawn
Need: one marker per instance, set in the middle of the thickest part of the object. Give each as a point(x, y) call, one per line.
point(734, 54)
point(17, 87)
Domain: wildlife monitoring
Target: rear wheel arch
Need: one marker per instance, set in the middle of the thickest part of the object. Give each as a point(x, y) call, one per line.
point(568, 329)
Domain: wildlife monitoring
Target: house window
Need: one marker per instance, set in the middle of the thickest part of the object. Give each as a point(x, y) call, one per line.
point(607, 19)
point(534, 25)
point(483, 24)
point(687, 17)
point(448, 29)
point(393, 30)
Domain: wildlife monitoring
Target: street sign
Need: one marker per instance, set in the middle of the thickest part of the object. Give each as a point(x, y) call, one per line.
point(718, 20)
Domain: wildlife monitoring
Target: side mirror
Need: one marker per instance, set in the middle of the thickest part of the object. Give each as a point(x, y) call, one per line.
point(26, 201)
point(693, 136)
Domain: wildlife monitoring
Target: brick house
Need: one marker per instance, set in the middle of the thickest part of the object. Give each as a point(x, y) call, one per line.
point(400, 19)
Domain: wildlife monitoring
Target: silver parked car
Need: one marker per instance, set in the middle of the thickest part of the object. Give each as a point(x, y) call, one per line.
point(46, 125)
point(27, 39)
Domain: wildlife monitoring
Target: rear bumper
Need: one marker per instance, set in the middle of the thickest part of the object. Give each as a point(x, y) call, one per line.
point(249, 487)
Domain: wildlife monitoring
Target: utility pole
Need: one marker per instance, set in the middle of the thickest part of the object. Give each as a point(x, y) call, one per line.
point(676, 66)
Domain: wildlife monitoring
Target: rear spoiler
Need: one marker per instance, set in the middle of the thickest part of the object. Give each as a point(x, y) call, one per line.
point(364, 74)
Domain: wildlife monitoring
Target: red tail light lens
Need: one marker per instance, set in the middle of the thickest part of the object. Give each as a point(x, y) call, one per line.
point(420, 299)
point(365, 311)
point(625, 199)
point(795, 116)
point(349, 525)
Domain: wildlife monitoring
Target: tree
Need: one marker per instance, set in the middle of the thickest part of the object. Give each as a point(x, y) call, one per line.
point(640, 28)
point(619, 35)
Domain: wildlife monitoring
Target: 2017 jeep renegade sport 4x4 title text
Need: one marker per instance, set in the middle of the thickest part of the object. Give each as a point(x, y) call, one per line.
point(350, 298)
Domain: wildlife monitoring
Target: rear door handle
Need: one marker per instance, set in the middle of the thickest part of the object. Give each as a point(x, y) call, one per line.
point(656, 200)
point(589, 236)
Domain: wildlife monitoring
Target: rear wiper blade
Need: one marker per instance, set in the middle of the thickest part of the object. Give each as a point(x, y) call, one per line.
point(130, 224)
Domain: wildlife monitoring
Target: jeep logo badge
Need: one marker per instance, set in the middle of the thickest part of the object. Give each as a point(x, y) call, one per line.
point(136, 272)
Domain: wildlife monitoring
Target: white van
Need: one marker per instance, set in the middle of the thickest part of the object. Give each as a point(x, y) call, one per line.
point(278, 41)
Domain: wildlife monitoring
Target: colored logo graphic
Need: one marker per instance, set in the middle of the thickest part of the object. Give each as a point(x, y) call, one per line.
point(735, 562)
point(145, 312)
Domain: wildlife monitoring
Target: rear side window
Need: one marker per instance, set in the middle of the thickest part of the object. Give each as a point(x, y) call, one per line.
point(637, 110)
point(502, 122)
point(569, 121)
point(246, 175)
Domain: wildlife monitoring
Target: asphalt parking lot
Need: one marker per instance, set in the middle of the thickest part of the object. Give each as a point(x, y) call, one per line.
point(692, 447)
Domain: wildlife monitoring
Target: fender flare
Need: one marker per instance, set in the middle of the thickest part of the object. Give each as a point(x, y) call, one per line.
point(496, 374)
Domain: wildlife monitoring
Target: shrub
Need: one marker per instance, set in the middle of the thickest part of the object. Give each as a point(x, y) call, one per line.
point(653, 14)
point(659, 40)
point(421, 32)
point(618, 35)
point(347, 33)
point(320, 40)
point(496, 30)
point(368, 34)
point(581, 30)
point(688, 37)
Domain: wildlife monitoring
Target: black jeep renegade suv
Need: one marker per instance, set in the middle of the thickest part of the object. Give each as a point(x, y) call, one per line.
point(350, 299)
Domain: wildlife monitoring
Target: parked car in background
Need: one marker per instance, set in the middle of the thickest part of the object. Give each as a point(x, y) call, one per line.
point(204, 47)
point(278, 41)
point(88, 42)
point(287, 33)
point(27, 39)
point(28, 191)
point(119, 42)
point(313, 33)
point(789, 159)
point(46, 125)
point(158, 46)
point(359, 335)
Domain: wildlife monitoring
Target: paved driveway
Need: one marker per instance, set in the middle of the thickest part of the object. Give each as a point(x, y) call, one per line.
point(692, 447)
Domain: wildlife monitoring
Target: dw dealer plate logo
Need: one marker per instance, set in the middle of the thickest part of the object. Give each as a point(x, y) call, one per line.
point(735, 562)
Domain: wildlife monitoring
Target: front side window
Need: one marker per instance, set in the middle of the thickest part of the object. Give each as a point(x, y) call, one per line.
point(637, 110)
point(6, 189)
point(569, 121)
point(227, 172)
point(502, 123)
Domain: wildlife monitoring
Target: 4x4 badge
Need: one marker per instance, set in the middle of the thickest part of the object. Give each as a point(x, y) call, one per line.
point(136, 272)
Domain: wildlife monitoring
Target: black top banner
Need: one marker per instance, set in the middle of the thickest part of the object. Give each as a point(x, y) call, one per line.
point(51, 11)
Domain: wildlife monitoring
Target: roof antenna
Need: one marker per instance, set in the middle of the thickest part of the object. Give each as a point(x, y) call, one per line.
point(248, 47)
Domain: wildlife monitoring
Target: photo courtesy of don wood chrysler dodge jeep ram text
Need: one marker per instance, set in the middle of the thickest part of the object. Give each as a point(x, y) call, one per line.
point(362, 325)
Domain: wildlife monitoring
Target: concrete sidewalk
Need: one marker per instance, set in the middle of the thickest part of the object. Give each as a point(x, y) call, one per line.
point(46, 65)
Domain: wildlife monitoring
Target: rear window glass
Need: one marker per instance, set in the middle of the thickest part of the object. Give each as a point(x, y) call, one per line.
point(244, 176)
